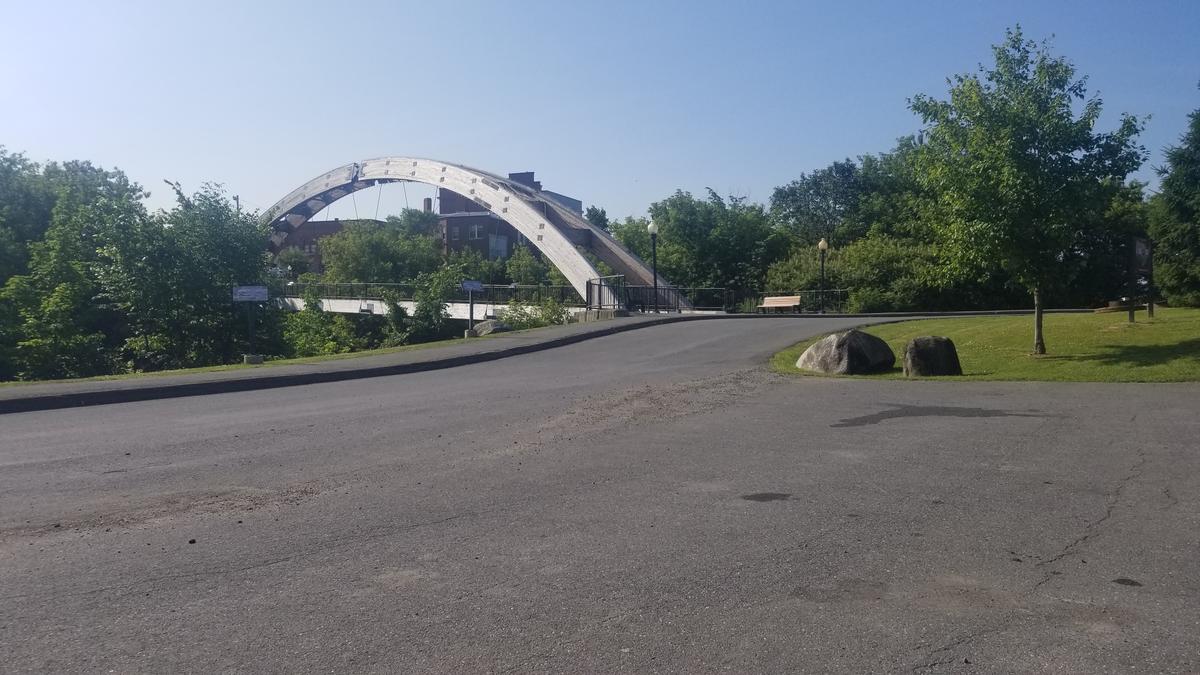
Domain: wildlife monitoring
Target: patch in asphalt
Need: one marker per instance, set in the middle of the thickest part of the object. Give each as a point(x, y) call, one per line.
point(1126, 582)
point(902, 411)
point(767, 496)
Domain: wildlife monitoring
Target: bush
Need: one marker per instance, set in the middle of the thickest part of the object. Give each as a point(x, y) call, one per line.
point(521, 315)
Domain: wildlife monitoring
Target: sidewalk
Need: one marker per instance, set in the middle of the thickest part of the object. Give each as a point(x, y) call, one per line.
point(74, 393)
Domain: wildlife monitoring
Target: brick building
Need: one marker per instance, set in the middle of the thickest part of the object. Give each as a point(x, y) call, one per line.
point(467, 225)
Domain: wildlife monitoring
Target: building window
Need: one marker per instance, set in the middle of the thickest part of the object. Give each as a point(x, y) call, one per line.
point(477, 232)
point(454, 233)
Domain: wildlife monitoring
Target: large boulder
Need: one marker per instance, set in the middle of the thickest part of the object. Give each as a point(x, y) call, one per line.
point(491, 326)
point(851, 353)
point(931, 355)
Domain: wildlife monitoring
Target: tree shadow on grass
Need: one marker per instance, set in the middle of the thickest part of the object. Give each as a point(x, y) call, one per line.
point(1143, 355)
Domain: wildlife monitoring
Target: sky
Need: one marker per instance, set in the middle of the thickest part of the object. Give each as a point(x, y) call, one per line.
point(618, 103)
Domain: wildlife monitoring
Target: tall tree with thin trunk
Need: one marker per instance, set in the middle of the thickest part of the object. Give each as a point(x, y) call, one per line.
point(1175, 220)
point(1017, 166)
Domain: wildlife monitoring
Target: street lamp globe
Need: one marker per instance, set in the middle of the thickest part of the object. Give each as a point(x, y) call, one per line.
point(652, 228)
point(823, 245)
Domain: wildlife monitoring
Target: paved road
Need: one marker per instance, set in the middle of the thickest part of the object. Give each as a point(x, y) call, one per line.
point(650, 501)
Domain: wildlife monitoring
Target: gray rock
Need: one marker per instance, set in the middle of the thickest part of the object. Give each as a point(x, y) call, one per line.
point(931, 355)
point(851, 353)
point(491, 326)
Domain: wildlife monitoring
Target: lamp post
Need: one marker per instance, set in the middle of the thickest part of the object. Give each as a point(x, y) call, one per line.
point(652, 228)
point(823, 248)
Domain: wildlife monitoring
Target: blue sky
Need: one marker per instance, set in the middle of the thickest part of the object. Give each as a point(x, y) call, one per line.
point(618, 103)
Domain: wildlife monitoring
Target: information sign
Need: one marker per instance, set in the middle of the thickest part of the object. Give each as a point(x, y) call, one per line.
point(249, 293)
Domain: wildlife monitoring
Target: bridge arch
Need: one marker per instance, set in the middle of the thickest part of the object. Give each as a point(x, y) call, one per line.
point(552, 229)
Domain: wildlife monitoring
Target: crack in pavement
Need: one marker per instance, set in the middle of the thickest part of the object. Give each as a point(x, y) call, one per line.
point(1092, 529)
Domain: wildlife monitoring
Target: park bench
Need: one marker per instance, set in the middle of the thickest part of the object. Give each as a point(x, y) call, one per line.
point(777, 302)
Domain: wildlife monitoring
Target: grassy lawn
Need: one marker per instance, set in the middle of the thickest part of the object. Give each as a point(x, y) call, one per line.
point(1082, 347)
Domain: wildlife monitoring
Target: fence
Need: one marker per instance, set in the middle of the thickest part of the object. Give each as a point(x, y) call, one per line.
point(612, 292)
point(497, 294)
point(606, 292)
point(830, 300)
point(609, 292)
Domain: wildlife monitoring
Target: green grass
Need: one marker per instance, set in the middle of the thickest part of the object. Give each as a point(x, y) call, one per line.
point(268, 363)
point(1082, 347)
point(240, 366)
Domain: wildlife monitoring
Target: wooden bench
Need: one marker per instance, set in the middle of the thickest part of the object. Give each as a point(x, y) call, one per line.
point(788, 302)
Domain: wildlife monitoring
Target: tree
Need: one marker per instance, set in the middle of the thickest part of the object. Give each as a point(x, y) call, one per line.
point(370, 252)
point(68, 326)
point(414, 222)
point(293, 261)
point(430, 320)
point(1014, 169)
point(26, 201)
point(525, 268)
point(820, 204)
point(1175, 220)
point(597, 217)
point(314, 332)
point(726, 243)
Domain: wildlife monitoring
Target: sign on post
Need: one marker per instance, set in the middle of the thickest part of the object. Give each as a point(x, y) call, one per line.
point(1142, 256)
point(249, 293)
point(471, 287)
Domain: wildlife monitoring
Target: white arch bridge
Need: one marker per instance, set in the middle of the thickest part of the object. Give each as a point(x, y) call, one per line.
point(560, 234)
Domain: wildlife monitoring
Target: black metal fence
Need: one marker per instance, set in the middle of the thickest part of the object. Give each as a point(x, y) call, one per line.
point(606, 292)
point(612, 293)
point(832, 300)
point(609, 292)
point(498, 294)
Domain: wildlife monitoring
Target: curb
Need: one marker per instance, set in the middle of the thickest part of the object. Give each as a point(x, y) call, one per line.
point(151, 393)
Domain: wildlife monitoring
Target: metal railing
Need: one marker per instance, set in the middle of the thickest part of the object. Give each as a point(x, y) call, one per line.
point(497, 294)
point(676, 299)
point(832, 300)
point(606, 292)
point(612, 292)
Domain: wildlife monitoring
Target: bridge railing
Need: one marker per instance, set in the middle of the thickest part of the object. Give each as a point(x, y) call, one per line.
point(606, 292)
point(499, 294)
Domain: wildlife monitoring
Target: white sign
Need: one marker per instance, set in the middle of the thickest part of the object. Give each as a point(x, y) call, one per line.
point(249, 293)
point(473, 286)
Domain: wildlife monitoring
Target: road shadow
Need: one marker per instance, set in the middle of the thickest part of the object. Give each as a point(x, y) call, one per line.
point(903, 411)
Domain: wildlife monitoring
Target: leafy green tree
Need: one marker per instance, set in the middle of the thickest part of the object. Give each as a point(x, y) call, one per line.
point(475, 266)
point(414, 222)
point(633, 235)
point(597, 217)
point(68, 326)
point(820, 204)
point(294, 261)
point(715, 242)
point(314, 332)
point(430, 320)
point(526, 268)
point(1014, 169)
point(173, 281)
point(27, 198)
point(1175, 220)
point(370, 252)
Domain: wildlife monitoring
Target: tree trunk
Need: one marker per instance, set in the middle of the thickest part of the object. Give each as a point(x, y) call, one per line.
point(1039, 344)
